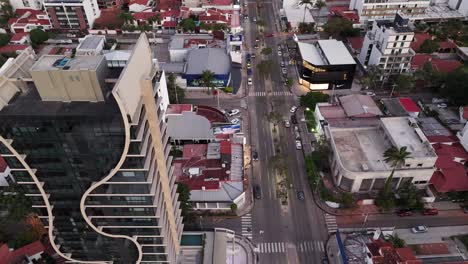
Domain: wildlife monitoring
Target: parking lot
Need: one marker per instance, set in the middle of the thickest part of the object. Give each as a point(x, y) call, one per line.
point(433, 234)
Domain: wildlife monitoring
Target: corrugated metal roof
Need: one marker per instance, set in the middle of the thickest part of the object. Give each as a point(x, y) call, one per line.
point(213, 59)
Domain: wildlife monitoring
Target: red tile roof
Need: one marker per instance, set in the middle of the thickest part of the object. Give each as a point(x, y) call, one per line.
point(217, 2)
point(431, 249)
point(445, 66)
point(143, 15)
point(465, 113)
point(28, 250)
point(356, 42)
point(447, 45)
point(212, 114)
point(3, 164)
point(165, 5)
point(451, 175)
point(419, 39)
point(19, 36)
point(28, 16)
point(225, 147)
point(178, 108)
point(194, 150)
point(409, 105)
point(344, 12)
point(13, 48)
point(169, 24)
point(442, 139)
point(384, 253)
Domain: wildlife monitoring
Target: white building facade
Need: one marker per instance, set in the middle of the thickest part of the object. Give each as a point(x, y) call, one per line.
point(74, 14)
point(34, 4)
point(460, 5)
point(387, 45)
point(370, 10)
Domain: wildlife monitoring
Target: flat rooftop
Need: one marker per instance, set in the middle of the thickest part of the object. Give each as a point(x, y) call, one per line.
point(326, 52)
point(405, 135)
point(91, 42)
point(57, 62)
point(361, 149)
point(431, 127)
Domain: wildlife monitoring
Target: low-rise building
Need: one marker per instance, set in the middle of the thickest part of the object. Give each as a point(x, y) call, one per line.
point(438, 65)
point(138, 5)
point(29, 4)
point(209, 59)
point(181, 44)
point(386, 9)
point(358, 163)
point(91, 45)
point(459, 5)
point(72, 15)
point(325, 64)
point(451, 174)
point(29, 19)
point(296, 14)
point(387, 45)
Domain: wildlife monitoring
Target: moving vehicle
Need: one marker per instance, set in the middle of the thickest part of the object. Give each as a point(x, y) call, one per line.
point(404, 212)
point(256, 46)
point(268, 35)
point(235, 121)
point(233, 112)
point(249, 65)
point(300, 195)
point(419, 229)
point(254, 155)
point(279, 47)
point(293, 109)
point(284, 71)
point(249, 80)
point(257, 192)
point(298, 144)
point(280, 53)
point(297, 135)
point(254, 19)
point(430, 211)
point(286, 123)
point(442, 105)
point(253, 55)
point(293, 119)
point(282, 64)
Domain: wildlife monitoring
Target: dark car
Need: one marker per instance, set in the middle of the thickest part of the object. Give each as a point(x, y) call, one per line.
point(404, 212)
point(254, 155)
point(257, 192)
point(300, 195)
point(268, 35)
point(249, 56)
point(293, 119)
point(430, 211)
point(249, 72)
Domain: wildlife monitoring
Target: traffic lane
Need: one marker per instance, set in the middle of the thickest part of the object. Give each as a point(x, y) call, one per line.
point(444, 218)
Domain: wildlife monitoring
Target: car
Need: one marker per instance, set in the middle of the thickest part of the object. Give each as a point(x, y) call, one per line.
point(233, 112)
point(235, 121)
point(298, 144)
point(293, 109)
point(257, 39)
point(404, 212)
point(419, 229)
point(442, 105)
point(254, 19)
point(248, 56)
point(254, 155)
point(256, 46)
point(370, 93)
point(257, 192)
point(282, 64)
point(249, 65)
point(296, 129)
point(297, 135)
point(246, 17)
point(268, 35)
point(280, 53)
point(284, 71)
point(430, 211)
point(249, 81)
point(253, 55)
point(249, 72)
point(286, 123)
point(223, 111)
point(300, 195)
point(293, 119)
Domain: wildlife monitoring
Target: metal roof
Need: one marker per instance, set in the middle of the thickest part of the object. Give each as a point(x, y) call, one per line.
point(335, 52)
point(213, 59)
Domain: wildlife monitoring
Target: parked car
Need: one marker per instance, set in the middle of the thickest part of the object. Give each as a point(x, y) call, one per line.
point(297, 135)
point(253, 55)
point(233, 112)
point(296, 129)
point(293, 119)
point(280, 53)
point(442, 105)
point(284, 71)
point(249, 56)
point(254, 155)
point(235, 121)
point(286, 123)
point(403, 213)
point(293, 109)
point(282, 64)
point(370, 93)
point(257, 192)
point(249, 71)
point(298, 144)
point(430, 211)
point(254, 19)
point(300, 195)
point(268, 35)
point(419, 229)
point(249, 81)
point(256, 46)
point(257, 39)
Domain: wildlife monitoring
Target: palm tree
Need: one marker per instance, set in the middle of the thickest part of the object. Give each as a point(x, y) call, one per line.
point(207, 78)
point(306, 4)
point(156, 18)
point(320, 4)
point(126, 17)
point(395, 157)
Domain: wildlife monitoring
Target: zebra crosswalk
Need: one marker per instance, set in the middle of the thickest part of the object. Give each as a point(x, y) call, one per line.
point(277, 93)
point(247, 226)
point(330, 220)
point(280, 247)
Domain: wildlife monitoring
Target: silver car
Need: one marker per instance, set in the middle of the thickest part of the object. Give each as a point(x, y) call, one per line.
point(419, 229)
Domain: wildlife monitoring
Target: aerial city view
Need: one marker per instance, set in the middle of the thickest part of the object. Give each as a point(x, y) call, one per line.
point(234, 131)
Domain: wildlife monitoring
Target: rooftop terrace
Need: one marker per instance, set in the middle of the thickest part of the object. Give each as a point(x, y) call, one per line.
point(55, 62)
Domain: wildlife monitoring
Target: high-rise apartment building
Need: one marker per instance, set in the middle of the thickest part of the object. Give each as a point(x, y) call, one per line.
point(370, 10)
point(97, 171)
point(72, 14)
point(387, 45)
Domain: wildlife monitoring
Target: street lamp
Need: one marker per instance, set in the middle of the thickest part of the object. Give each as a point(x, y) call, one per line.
point(307, 109)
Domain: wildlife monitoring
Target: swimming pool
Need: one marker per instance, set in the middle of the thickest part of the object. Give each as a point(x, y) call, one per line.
point(192, 240)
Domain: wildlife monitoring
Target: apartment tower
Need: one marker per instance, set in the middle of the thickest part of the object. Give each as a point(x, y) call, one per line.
point(93, 156)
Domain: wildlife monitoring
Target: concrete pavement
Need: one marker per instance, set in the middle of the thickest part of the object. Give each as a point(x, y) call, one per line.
point(433, 235)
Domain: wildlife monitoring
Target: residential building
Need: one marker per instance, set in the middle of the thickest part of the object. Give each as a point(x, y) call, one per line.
point(5, 174)
point(64, 79)
point(181, 44)
point(380, 251)
point(30, 4)
point(370, 10)
point(463, 136)
point(358, 163)
point(296, 14)
point(212, 59)
point(104, 4)
point(410, 106)
point(72, 14)
point(459, 5)
point(29, 19)
point(99, 173)
point(139, 5)
point(20, 38)
point(451, 174)
point(91, 45)
point(438, 65)
point(387, 45)
point(325, 64)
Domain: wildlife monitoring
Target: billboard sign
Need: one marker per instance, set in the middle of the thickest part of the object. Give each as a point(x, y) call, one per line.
point(226, 129)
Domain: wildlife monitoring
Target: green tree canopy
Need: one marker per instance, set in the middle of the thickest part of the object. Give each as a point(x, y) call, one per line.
point(187, 25)
point(307, 4)
point(340, 27)
point(267, 51)
point(396, 241)
point(456, 86)
point(312, 98)
point(306, 28)
point(38, 36)
point(207, 78)
point(184, 199)
point(4, 39)
point(126, 17)
point(409, 197)
point(404, 82)
point(320, 4)
point(264, 67)
point(429, 46)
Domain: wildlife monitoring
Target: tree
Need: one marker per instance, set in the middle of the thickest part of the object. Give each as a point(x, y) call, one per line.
point(347, 200)
point(340, 27)
point(429, 46)
point(4, 39)
point(264, 67)
point(306, 4)
point(126, 17)
point(233, 207)
point(184, 198)
point(404, 82)
point(260, 23)
point(156, 18)
point(267, 51)
point(312, 98)
point(409, 197)
point(320, 4)
point(372, 78)
point(187, 25)
point(38, 36)
point(176, 93)
point(16, 204)
point(274, 118)
point(7, 10)
point(396, 241)
point(306, 28)
point(219, 27)
point(456, 86)
point(279, 162)
point(207, 78)
point(429, 76)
